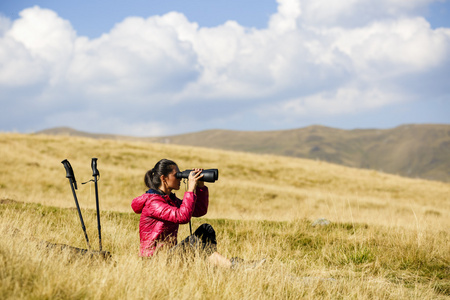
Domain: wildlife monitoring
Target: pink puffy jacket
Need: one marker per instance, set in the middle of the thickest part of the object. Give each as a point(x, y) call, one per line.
point(161, 216)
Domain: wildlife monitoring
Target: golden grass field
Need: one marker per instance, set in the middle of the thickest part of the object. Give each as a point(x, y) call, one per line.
point(389, 237)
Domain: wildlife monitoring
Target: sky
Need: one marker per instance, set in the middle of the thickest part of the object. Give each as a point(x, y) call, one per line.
point(155, 68)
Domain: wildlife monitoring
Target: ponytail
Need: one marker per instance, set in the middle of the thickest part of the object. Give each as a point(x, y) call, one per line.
point(148, 179)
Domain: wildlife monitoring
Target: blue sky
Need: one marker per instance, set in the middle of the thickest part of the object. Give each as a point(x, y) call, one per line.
point(152, 68)
point(92, 18)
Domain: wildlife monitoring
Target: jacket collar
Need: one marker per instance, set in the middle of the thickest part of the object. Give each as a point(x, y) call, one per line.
point(158, 192)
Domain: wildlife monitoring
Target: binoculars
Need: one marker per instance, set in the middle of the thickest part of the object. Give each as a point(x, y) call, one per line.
point(210, 175)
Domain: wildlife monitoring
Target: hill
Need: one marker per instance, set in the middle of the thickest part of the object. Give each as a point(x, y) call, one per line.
point(250, 186)
point(388, 239)
point(417, 151)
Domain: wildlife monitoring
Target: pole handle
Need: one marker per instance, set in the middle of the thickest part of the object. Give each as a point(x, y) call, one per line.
point(95, 171)
point(69, 172)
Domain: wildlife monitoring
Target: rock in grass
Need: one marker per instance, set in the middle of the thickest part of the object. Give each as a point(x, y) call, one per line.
point(321, 222)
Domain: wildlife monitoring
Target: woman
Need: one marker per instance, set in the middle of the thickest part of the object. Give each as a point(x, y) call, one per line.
point(162, 213)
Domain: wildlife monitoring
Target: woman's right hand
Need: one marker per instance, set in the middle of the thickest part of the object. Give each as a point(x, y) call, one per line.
point(193, 178)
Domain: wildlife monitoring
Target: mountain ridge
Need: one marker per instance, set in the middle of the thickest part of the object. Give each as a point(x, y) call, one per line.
point(411, 150)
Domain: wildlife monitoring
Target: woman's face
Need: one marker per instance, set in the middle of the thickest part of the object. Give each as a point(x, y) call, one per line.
point(172, 181)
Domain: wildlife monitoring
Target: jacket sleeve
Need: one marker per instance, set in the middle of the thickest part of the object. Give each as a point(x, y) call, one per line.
point(201, 206)
point(158, 209)
point(138, 203)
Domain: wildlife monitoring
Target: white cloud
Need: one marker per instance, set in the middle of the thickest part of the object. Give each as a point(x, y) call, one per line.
point(315, 57)
point(341, 101)
point(5, 23)
point(406, 45)
point(44, 34)
point(286, 17)
point(356, 13)
point(18, 67)
point(137, 56)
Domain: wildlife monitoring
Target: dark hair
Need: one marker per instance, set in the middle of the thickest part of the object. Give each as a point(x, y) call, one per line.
point(152, 178)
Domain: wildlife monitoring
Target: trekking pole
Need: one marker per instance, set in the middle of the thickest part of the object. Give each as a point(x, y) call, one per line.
point(96, 175)
point(185, 189)
point(73, 184)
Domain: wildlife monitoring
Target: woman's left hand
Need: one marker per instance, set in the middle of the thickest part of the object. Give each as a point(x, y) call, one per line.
point(200, 183)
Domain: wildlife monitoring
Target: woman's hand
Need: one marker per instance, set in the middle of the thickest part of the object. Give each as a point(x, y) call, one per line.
point(193, 178)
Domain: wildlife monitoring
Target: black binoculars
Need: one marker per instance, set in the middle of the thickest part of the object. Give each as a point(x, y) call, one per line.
point(210, 175)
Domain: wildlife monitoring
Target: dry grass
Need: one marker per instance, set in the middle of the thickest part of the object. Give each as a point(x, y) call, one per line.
point(389, 237)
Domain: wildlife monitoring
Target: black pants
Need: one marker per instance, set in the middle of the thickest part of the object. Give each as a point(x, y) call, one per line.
point(202, 241)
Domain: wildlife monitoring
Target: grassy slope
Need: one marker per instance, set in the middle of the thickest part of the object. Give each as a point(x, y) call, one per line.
point(389, 237)
point(249, 187)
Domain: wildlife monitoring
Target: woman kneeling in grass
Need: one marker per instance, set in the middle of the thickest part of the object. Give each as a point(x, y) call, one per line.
point(162, 213)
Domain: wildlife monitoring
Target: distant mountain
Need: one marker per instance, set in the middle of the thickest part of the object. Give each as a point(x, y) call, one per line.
point(67, 131)
point(415, 150)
